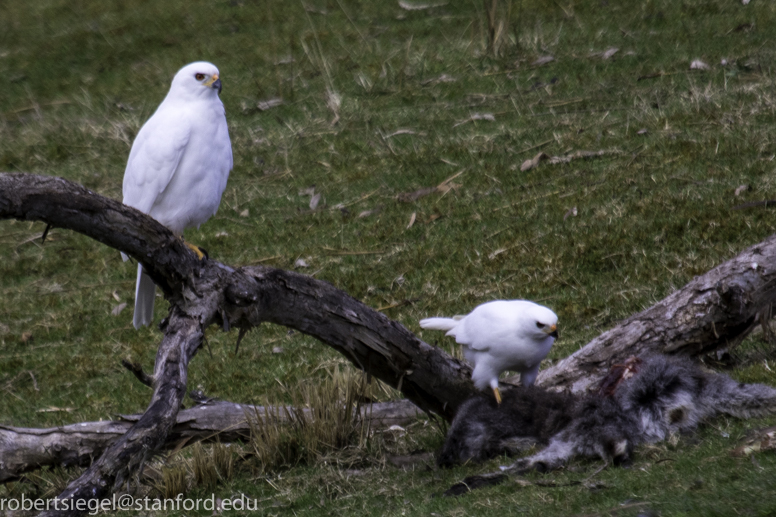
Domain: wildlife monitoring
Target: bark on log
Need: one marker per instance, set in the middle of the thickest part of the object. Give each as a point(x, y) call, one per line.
point(215, 293)
point(205, 292)
point(183, 337)
point(715, 310)
point(25, 450)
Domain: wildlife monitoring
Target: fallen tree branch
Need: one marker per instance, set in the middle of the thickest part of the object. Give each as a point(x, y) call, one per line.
point(715, 310)
point(205, 292)
point(183, 337)
point(25, 450)
point(245, 297)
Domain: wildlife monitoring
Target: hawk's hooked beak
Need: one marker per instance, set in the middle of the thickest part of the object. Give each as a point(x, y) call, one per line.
point(215, 83)
point(552, 331)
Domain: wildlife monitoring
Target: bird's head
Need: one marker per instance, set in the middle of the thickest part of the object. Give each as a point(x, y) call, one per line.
point(196, 80)
point(544, 321)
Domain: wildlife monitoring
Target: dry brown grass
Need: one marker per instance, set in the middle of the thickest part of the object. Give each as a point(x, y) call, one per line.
point(174, 481)
point(212, 464)
point(325, 418)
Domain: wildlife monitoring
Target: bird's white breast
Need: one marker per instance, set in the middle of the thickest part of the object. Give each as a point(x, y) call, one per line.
point(194, 191)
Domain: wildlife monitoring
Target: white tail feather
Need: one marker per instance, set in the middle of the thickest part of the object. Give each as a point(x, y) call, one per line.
point(438, 323)
point(145, 290)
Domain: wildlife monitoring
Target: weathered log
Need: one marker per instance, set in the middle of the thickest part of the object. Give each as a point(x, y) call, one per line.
point(245, 297)
point(182, 338)
point(715, 310)
point(25, 450)
point(205, 292)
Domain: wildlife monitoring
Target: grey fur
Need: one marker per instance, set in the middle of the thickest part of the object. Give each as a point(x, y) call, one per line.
point(666, 395)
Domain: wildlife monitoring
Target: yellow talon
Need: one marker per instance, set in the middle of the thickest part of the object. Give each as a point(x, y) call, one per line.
point(498, 395)
point(196, 249)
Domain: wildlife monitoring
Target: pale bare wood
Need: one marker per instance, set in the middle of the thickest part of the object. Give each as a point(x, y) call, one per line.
point(25, 449)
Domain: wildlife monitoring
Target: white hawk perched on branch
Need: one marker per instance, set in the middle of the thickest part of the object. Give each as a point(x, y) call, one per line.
point(179, 164)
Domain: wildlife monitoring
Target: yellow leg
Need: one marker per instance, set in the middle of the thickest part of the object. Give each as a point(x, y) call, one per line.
point(497, 394)
point(196, 249)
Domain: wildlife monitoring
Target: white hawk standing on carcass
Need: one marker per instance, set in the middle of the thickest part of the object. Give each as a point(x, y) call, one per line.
point(502, 335)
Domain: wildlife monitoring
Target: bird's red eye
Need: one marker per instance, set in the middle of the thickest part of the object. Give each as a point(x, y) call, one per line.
point(199, 77)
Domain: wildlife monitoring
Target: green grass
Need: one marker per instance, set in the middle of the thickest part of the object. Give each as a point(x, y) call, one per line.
point(81, 78)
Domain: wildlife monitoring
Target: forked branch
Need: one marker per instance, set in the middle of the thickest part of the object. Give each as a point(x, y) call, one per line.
point(713, 311)
point(205, 292)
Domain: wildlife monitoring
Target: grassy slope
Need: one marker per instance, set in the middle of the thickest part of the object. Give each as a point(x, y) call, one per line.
point(81, 77)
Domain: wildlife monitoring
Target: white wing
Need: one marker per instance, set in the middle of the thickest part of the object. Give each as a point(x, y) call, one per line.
point(489, 325)
point(154, 158)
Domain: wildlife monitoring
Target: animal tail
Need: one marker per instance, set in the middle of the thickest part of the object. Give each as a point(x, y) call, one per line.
point(737, 399)
point(145, 290)
point(438, 323)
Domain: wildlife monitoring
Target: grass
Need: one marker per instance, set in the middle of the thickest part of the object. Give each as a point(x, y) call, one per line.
point(284, 437)
point(418, 98)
